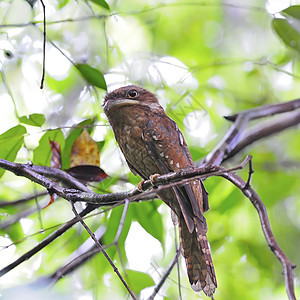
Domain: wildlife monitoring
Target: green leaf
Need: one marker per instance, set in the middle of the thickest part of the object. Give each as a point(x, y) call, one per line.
point(14, 231)
point(42, 153)
point(101, 3)
point(62, 3)
point(293, 11)
point(137, 281)
point(11, 142)
point(92, 75)
point(73, 134)
point(33, 120)
point(149, 218)
point(100, 145)
point(103, 186)
point(289, 35)
point(113, 223)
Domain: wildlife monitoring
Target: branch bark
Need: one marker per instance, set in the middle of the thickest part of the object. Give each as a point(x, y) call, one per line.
point(266, 228)
point(234, 135)
point(162, 182)
point(100, 247)
point(50, 238)
point(234, 141)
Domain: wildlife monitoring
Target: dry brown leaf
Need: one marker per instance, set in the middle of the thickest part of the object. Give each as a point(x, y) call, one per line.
point(84, 151)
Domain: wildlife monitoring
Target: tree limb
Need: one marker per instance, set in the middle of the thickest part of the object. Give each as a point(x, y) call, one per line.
point(100, 247)
point(264, 130)
point(165, 276)
point(23, 200)
point(231, 143)
point(79, 259)
point(241, 120)
point(252, 195)
point(46, 241)
point(267, 110)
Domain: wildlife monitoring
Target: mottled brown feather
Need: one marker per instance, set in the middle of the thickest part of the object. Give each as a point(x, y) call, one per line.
point(152, 143)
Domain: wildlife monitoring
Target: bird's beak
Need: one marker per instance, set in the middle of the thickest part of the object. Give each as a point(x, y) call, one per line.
point(113, 104)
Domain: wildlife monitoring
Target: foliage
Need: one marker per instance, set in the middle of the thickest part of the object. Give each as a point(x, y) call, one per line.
point(204, 60)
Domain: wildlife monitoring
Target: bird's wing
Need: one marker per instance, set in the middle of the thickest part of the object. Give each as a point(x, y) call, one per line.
point(132, 169)
point(166, 145)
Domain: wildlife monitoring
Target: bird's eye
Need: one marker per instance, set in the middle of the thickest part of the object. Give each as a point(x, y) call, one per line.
point(132, 94)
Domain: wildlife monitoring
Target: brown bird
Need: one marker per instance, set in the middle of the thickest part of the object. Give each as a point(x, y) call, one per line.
point(153, 144)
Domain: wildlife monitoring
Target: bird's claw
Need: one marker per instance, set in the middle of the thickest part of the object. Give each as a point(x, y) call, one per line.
point(152, 177)
point(140, 186)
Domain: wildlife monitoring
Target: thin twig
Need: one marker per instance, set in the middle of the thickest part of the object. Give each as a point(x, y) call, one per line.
point(251, 171)
point(17, 217)
point(71, 266)
point(60, 175)
point(241, 120)
point(165, 276)
point(177, 265)
point(46, 241)
point(38, 208)
point(229, 141)
point(181, 177)
point(79, 259)
point(44, 45)
point(103, 251)
point(266, 129)
point(150, 9)
point(267, 110)
point(23, 200)
point(122, 222)
point(5, 83)
point(266, 228)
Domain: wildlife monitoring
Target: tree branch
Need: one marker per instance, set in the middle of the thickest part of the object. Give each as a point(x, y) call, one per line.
point(165, 180)
point(267, 110)
point(261, 131)
point(165, 276)
point(241, 120)
point(231, 143)
point(17, 217)
point(266, 228)
point(79, 259)
point(23, 200)
point(44, 45)
point(50, 238)
point(103, 251)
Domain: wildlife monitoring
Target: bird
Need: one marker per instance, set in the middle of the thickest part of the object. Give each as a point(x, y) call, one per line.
point(152, 144)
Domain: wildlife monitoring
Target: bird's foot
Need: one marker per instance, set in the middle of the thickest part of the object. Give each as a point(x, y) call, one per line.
point(140, 186)
point(152, 177)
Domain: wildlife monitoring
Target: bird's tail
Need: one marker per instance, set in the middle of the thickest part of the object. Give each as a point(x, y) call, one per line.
point(195, 250)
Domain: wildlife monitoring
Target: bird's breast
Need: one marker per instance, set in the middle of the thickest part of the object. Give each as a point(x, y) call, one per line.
point(128, 132)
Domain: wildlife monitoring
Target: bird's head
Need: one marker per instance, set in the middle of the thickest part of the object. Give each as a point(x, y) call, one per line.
point(130, 95)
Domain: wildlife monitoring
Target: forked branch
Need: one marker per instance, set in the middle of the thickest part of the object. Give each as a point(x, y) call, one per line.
point(234, 141)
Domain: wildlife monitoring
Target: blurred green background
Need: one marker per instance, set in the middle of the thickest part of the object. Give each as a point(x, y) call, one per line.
point(204, 60)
